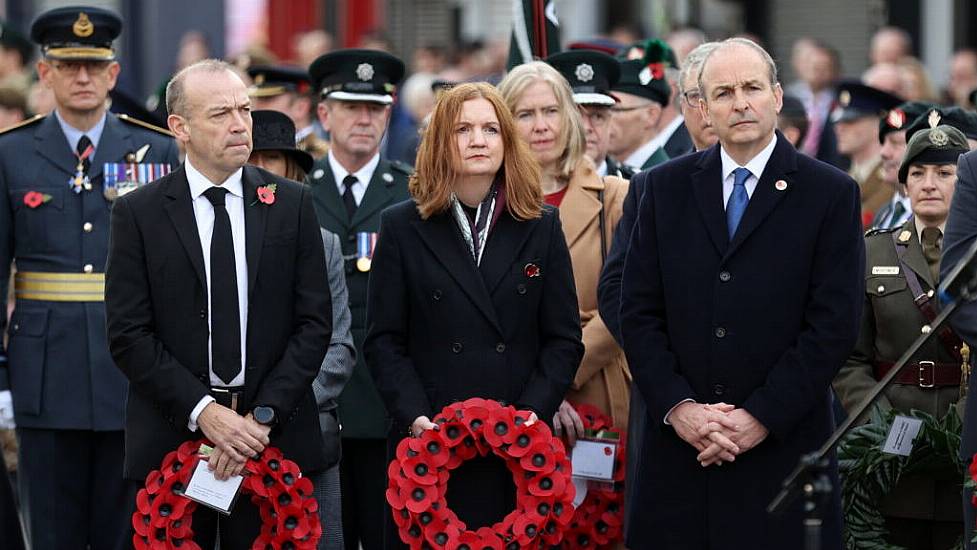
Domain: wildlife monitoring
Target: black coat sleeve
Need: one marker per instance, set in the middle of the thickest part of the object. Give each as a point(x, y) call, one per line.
point(609, 286)
point(560, 346)
point(388, 316)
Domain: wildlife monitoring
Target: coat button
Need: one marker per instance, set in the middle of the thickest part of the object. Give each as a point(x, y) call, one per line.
point(436, 294)
point(88, 268)
point(456, 347)
point(718, 389)
point(87, 227)
point(521, 288)
point(500, 347)
point(881, 289)
point(720, 332)
point(203, 313)
point(724, 276)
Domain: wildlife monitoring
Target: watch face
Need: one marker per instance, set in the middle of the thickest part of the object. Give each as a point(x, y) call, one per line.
point(264, 415)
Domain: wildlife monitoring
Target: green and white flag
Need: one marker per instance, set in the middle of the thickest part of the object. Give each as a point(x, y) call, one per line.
point(535, 31)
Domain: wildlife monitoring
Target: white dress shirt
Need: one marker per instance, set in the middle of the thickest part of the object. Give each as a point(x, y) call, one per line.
point(363, 175)
point(641, 155)
point(756, 166)
point(602, 168)
point(203, 212)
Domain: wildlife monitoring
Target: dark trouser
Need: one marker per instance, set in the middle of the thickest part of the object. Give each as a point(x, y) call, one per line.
point(327, 494)
point(237, 531)
point(969, 517)
point(72, 493)
point(921, 534)
point(9, 523)
point(363, 476)
point(637, 418)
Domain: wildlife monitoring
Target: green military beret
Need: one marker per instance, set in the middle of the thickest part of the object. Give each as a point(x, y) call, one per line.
point(939, 145)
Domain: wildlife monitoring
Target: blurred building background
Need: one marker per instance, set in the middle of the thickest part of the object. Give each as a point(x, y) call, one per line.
point(156, 29)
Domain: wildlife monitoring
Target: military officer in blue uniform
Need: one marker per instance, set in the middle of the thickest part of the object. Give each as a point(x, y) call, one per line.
point(58, 176)
point(351, 185)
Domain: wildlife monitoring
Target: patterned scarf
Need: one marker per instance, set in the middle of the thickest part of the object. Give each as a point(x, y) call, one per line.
point(476, 232)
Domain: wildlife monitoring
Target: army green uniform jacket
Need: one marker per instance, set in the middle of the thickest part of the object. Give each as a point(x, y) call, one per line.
point(891, 321)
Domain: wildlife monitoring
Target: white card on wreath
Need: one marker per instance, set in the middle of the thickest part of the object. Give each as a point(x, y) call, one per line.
point(900, 440)
point(210, 491)
point(593, 459)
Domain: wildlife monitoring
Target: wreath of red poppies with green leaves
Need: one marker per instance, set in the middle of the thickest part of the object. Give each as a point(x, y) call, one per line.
point(599, 520)
point(418, 479)
point(289, 512)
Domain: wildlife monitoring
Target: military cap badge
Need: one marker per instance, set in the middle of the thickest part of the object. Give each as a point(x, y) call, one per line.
point(364, 71)
point(83, 27)
point(584, 72)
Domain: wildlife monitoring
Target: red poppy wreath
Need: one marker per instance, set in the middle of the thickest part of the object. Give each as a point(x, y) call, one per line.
point(597, 522)
point(289, 512)
point(418, 479)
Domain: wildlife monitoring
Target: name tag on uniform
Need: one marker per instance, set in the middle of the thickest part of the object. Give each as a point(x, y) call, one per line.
point(885, 270)
point(900, 440)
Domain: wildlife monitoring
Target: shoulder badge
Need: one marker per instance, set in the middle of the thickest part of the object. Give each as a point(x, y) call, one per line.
point(146, 125)
point(23, 123)
point(402, 167)
point(881, 230)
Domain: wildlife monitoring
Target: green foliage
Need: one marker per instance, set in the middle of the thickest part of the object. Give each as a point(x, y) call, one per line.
point(868, 474)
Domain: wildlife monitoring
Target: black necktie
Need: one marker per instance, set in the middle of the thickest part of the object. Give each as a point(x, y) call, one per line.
point(84, 161)
point(225, 322)
point(348, 198)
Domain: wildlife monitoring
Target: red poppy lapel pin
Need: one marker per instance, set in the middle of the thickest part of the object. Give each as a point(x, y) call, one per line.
point(266, 194)
point(33, 199)
point(532, 270)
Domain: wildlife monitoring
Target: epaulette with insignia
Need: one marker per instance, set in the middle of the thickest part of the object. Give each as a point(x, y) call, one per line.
point(146, 125)
point(880, 230)
point(21, 124)
point(402, 167)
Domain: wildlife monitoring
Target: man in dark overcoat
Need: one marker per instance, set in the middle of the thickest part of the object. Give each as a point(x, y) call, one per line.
point(740, 301)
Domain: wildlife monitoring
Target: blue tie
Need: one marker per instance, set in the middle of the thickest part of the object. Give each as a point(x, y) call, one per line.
point(737, 201)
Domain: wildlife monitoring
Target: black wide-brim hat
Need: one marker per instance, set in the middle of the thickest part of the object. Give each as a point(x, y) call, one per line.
point(590, 74)
point(357, 75)
point(274, 131)
point(77, 33)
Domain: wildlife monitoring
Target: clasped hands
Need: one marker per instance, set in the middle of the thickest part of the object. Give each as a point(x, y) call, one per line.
point(236, 438)
point(719, 431)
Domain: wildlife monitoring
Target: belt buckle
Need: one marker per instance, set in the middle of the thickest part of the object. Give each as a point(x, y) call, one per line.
point(922, 374)
point(233, 394)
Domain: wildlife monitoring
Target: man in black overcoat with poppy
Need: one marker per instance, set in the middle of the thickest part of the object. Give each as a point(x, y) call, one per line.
point(217, 302)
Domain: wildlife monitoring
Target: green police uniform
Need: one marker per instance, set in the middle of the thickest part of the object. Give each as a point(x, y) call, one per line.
point(360, 76)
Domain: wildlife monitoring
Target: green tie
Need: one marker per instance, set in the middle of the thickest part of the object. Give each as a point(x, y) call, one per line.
point(931, 250)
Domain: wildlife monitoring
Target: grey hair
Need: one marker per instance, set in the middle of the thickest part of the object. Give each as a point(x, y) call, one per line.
point(693, 63)
point(745, 42)
point(176, 99)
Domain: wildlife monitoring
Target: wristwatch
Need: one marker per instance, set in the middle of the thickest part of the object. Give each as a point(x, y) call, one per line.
point(264, 415)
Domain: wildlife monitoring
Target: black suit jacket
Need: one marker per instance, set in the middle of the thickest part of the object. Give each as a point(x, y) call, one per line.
point(679, 143)
point(762, 321)
point(156, 306)
point(441, 329)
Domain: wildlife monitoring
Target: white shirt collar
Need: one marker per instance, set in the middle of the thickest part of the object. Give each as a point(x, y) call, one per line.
point(642, 154)
point(364, 175)
point(199, 182)
point(755, 165)
point(602, 168)
point(666, 134)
